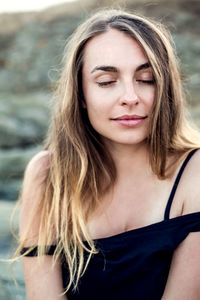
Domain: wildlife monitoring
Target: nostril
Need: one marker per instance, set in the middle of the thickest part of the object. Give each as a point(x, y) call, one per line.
point(130, 100)
point(129, 94)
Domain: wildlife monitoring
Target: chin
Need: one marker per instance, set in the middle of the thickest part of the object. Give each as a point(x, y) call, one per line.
point(129, 141)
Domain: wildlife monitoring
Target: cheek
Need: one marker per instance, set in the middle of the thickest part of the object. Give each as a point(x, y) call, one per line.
point(147, 94)
point(97, 108)
point(97, 113)
point(98, 103)
point(153, 96)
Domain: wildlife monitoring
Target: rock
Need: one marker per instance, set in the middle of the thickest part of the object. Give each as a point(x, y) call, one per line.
point(23, 123)
point(10, 188)
point(23, 119)
point(8, 289)
point(32, 53)
point(188, 49)
point(12, 166)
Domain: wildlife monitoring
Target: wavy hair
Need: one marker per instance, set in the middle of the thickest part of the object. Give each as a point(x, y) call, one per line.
point(81, 168)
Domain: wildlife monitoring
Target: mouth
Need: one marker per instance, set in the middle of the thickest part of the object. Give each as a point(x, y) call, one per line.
point(130, 120)
point(130, 117)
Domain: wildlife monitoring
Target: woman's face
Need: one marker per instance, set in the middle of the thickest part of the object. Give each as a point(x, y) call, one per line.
point(118, 87)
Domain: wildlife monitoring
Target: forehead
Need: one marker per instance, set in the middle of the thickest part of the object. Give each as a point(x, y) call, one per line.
point(113, 48)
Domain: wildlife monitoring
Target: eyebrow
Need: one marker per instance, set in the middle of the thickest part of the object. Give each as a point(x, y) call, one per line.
point(143, 66)
point(105, 68)
point(115, 70)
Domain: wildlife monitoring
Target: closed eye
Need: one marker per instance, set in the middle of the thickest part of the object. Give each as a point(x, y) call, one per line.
point(105, 83)
point(146, 81)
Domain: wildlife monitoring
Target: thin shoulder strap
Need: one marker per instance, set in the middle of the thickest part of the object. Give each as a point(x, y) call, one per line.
point(178, 177)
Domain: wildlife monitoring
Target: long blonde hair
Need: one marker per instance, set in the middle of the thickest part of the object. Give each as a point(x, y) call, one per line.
point(81, 168)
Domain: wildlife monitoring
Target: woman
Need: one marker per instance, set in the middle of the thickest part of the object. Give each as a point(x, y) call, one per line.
point(104, 200)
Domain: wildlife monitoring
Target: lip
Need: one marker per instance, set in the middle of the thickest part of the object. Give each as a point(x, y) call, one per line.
point(130, 120)
point(130, 117)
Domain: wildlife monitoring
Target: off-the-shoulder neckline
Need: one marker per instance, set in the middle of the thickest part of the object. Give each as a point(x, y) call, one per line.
point(146, 228)
point(135, 231)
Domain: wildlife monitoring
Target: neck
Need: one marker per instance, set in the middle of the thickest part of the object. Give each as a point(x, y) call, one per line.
point(130, 160)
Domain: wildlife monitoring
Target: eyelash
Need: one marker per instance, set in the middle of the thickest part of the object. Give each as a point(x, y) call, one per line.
point(147, 81)
point(105, 83)
point(110, 82)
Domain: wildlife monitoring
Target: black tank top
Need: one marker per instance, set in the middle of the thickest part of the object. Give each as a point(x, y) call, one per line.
point(134, 265)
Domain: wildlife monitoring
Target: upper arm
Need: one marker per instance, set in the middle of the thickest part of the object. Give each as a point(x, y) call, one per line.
point(42, 279)
point(32, 195)
point(184, 276)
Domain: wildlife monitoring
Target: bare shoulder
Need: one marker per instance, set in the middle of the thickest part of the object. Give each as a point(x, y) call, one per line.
point(38, 164)
point(35, 175)
point(36, 170)
point(33, 190)
point(191, 186)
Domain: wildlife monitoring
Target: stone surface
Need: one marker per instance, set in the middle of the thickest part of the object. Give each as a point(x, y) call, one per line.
point(23, 118)
point(12, 166)
point(33, 53)
point(8, 289)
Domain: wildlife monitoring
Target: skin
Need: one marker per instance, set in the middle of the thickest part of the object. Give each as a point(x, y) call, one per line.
point(115, 86)
point(42, 281)
point(122, 208)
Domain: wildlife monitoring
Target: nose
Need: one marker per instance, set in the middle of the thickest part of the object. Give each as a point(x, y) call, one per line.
point(129, 95)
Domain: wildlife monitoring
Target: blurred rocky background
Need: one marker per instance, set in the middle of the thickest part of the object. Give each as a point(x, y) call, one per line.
point(31, 48)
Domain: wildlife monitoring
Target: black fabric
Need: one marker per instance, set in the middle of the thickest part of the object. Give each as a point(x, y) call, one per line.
point(34, 251)
point(134, 265)
point(173, 191)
